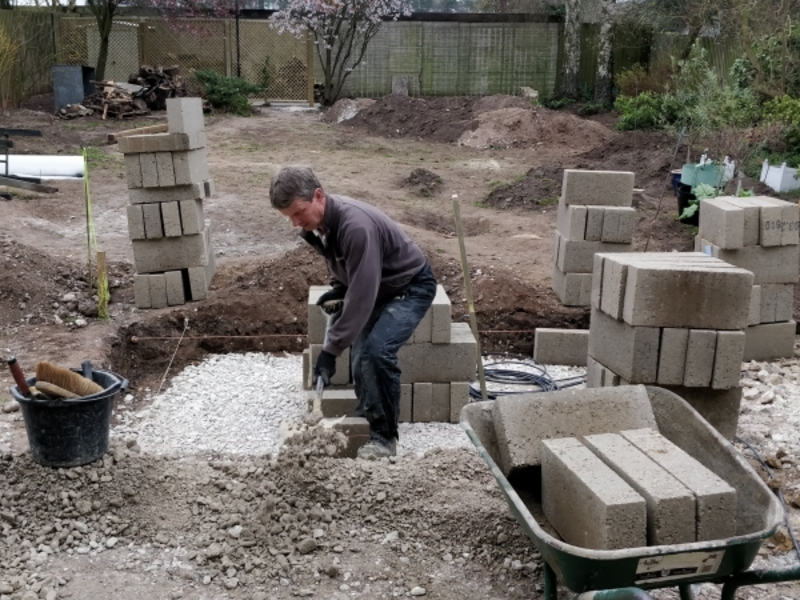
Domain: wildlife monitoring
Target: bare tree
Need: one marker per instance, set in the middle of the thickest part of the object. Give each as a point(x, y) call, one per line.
point(602, 85)
point(572, 49)
point(103, 11)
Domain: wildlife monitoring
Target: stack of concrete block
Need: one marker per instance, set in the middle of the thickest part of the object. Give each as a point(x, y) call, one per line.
point(594, 215)
point(672, 319)
point(759, 234)
point(168, 180)
point(437, 364)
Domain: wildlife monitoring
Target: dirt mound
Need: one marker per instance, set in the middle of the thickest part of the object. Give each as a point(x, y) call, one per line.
point(423, 182)
point(432, 221)
point(345, 109)
point(492, 121)
point(539, 187)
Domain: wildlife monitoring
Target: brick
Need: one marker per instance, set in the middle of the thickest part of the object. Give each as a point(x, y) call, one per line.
point(578, 257)
point(190, 166)
point(158, 290)
point(618, 223)
point(606, 188)
point(169, 254)
point(149, 170)
point(587, 503)
point(755, 306)
point(342, 375)
point(572, 289)
point(700, 358)
point(672, 356)
point(670, 506)
point(442, 317)
point(192, 216)
point(719, 407)
point(715, 499)
point(439, 363)
point(459, 398)
point(162, 142)
point(722, 223)
point(630, 352)
point(185, 115)
point(133, 170)
point(728, 359)
point(770, 341)
point(440, 405)
point(422, 407)
point(406, 402)
point(141, 291)
point(779, 264)
point(172, 194)
point(339, 402)
point(135, 222)
point(174, 283)
point(522, 421)
point(561, 346)
point(153, 225)
point(571, 221)
point(171, 217)
point(752, 219)
point(784, 303)
point(355, 430)
point(594, 223)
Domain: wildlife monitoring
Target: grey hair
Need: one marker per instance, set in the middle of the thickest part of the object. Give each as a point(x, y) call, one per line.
point(293, 181)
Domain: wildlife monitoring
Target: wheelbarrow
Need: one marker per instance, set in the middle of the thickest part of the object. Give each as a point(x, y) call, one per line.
point(627, 573)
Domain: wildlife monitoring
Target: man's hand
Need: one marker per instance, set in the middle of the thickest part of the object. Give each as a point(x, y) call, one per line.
point(325, 367)
point(331, 301)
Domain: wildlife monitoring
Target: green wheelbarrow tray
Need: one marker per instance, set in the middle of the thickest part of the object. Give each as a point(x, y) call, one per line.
point(759, 514)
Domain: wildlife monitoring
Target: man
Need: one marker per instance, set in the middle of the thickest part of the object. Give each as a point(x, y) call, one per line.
point(382, 282)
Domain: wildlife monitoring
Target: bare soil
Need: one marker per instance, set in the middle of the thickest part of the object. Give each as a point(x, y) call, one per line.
point(501, 158)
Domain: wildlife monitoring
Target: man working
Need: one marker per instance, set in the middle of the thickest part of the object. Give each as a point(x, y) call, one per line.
point(384, 282)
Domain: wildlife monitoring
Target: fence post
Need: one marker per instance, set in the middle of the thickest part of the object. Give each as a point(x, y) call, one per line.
point(310, 67)
point(57, 36)
point(228, 60)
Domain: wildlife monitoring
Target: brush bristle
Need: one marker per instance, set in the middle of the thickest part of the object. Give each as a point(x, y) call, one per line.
point(64, 378)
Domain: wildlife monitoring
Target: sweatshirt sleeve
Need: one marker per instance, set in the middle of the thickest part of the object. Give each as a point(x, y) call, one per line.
point(362, 248)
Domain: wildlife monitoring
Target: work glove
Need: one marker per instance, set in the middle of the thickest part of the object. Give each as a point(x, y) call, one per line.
point(332, 300)
point(325, 367)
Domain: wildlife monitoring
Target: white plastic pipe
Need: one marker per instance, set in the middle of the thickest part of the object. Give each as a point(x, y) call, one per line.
point(44, 166)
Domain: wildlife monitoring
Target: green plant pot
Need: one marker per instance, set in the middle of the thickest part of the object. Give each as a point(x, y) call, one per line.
point(692, 175)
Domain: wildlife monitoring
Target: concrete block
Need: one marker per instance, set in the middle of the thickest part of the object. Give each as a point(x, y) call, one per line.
point(778, 264)
point(170, 254)
point(556, 246)
point(630, 352)
point(571, 221)
point(440, 403)
point(561, 346)
point(153, 225)
point(158, 290)
point(171, 218)
point(342, 375)
point(597, 282)
point(141, 291)
point(192, 216)
point(594, 373)
point(770, 341)
point(751, 216)
point(672, 356)
point(422, 333)
point(728, 359)
point(618, 224)
point(700, 358)
point(522, 421)
point(166, 171)
point(439, 363)
point(606, 188)
point(755, 306)
point(572, 289)
point(784, 302)
point(339, 402)
point(135, 222)
point(459, 398)
point(722, 223)
point(715, 499)
point(770, 230)
point(185, 115)
point(670, 506)
point(317, 320)
point(133, 170)
point(578, 256)
point(149, 170)
point(769, 298)
point(190, 166)
point(171, 194)
point(355, 430)
point(174, 283)
point(406, 402)
point(422, 407)
point(162, 142)
point(306, 369)
point(594, 223)
point(587, 503)
point(719, 407)
point(442, 317)
point(209, 188)
point(614, 280)
point(200, 278)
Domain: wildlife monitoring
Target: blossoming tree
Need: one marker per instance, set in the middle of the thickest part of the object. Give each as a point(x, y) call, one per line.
point(342, 30)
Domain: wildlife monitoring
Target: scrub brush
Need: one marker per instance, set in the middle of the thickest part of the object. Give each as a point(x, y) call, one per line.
point(64, 378)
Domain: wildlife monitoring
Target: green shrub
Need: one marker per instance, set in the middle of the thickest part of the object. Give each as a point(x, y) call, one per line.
point(637, 79)
point(227, 93)
point(639, 112)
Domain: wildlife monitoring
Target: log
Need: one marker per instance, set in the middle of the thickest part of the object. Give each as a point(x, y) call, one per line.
point(114, 137)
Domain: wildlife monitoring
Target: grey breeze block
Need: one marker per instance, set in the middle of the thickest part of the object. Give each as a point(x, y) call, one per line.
point(522, 421)
point(194, 191)
point(778, 264)
point(630, 352)
point(605, 188)
point(165, 219)
point(613, 224)
point(162, 142)
point(578, 256)
point(770, 341)
point(670, 506)
point(572, 289)
point(561, 346)
point(587, 503)
point(185, 115)
point(733, 223)
point(715, 498)
point(170, 254)
point(173, 287)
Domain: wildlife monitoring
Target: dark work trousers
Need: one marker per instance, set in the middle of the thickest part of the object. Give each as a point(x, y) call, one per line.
point(373, 357)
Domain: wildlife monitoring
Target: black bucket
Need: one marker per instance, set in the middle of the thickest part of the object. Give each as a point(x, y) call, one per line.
point(685, 195)
point(71, 432)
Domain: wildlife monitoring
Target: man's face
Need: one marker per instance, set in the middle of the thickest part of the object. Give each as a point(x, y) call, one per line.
point(305, 214)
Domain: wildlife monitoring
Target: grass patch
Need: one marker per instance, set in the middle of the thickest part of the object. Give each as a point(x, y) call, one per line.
point(99, 158)
point(550, 201)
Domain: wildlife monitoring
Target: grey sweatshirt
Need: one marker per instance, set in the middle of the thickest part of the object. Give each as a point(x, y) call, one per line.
point(367, 253)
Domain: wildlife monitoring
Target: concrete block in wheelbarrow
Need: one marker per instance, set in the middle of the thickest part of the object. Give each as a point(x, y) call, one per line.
point(522, 421)
point(670, 506)
point(587, 503)
point(715, 499)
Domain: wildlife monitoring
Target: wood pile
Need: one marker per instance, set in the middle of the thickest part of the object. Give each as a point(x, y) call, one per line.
point(112, 100)
point(159, 84)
